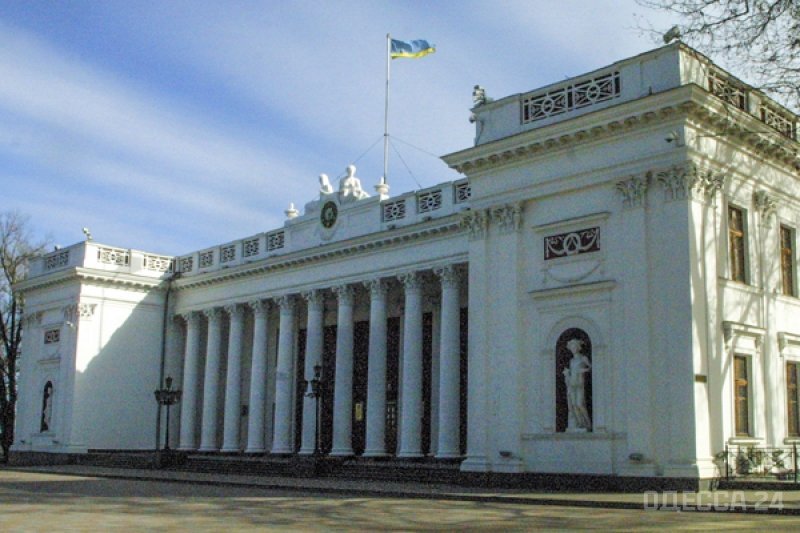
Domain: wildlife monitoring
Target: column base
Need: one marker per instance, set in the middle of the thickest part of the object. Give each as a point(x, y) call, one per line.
point(282, 451)
point(255, 450)
point(306, 451)
point(448, 455)
point(231, 449)
point(409, 455)
point(375, 453)
point(208, 449)
point(476, 463)
point(342, 452)
point(186, 448)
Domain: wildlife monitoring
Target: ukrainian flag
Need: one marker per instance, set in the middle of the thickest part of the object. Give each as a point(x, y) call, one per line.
point(417, 48)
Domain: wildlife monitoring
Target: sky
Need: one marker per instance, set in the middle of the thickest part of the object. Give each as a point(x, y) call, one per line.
point(172, 126)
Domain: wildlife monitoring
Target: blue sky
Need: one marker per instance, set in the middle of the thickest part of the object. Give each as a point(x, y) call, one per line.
point(170, 126)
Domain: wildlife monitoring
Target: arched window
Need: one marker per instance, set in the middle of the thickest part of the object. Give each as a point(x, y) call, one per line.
point(47, 407)
point(573, 381)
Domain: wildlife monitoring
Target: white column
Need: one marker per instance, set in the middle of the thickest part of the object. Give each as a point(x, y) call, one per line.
point(449, 365)
point(314, 338)
point(191, 370)
point(258, 378)
point(411, 409)
point(376, 371)
point(343, 390)
point(233, 381)
point(282, 437)
point(208, 435)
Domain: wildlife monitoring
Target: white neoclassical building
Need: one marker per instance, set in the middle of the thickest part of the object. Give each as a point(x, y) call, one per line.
point(611, 289)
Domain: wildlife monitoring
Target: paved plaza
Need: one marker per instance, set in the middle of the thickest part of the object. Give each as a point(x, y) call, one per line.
point(37, 501)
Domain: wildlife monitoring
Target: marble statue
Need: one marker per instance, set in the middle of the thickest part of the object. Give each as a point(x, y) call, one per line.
point(350, 186)
point(575, 380)
point(47, 407)
point(325, 184)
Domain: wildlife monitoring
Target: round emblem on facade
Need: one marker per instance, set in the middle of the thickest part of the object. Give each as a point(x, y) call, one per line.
point(328, 214)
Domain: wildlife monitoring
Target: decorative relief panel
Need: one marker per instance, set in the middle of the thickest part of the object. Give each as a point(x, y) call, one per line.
point(187, 263)
point(727, 90)
point(52, 336)
point(507, 217)
point(571, 97)
point(275, 240)
point(573, 243)
point(206, 259)
point(476, 222)
point(227, 253)
point(394, 210)
point(429, 201)
point(463, 192)
point(86, 310)
point(158, 263)
point(114, 256)
point(250, 247)
point(56, 260)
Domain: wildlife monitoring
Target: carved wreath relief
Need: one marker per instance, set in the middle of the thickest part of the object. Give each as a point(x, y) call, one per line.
point(572, 243)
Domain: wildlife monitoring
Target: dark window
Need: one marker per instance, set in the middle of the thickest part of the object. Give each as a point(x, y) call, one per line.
point(736, 242)
point(741, 385)
point(792, 370)
point(787, 260)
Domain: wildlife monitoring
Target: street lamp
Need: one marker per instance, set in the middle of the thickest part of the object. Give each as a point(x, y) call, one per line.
point(314, 390)
point(168, 397)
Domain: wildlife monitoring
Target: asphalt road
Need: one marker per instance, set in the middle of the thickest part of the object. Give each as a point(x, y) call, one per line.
point(31, 501)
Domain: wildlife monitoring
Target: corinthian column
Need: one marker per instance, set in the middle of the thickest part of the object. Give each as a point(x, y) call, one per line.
point(343, 390)
point(411, 409)
point(233, 382)
point(258, 378)
point(191, 370)
point(208, 437)
point(449, 364)
point(376, 371)
point(314, 337)
point(282, 438)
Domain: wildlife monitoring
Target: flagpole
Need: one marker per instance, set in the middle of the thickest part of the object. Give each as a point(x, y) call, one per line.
point(386, 113)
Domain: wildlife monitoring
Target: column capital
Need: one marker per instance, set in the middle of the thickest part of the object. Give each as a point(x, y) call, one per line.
point(377, 288)
point(234, 310)
point(315, 299)
point(410, 280)
point(259, 307)
point(450, 275)
point(213, 314)
point(345, 294)
point(286, 302)
point(633, 190)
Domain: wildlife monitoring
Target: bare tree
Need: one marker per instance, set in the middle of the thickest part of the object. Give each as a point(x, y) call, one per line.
point(759, 39)
point(17, 248)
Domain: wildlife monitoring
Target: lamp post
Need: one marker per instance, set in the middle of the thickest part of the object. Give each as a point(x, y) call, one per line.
point(168, 397)
point(314, 390)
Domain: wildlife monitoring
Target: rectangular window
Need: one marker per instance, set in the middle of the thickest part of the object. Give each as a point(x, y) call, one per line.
point(787, 260)
point(792, 371)
point(741, 386)
point(736, 243)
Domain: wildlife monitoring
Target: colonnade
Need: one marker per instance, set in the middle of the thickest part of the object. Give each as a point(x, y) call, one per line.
point(411, 405)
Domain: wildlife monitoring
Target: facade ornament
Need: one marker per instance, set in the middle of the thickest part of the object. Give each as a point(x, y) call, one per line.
point(234, 309)
point(286, 303)
point(410, 280)
point(690, 182)
point(508, 217)
point(214, 314)
point(315, 299)
point(633, 190)
point(86, 310)
point(291, 212)
point(378, 288)
point(259, 307)
point(450, 275)
point(325, 186)
point(476, 222)
point(766, 206)
point(32, 319)
point(479, 97)
point(70, 312)
point(350, 186)
point(345, 294)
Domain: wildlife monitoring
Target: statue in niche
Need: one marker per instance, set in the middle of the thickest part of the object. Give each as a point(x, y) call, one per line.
point(325, 186)
point(575, 379)
point(47, 407)
point(350, 186)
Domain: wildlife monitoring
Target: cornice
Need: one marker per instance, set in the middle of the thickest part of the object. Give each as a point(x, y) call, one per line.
point(688, 101)
point(374, 241)
point(81, 274)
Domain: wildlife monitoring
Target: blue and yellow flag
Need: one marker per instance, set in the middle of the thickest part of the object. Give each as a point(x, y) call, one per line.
point(417, 48)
